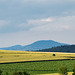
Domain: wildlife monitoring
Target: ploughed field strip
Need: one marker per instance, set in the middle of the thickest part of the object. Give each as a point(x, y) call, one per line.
point(20, 56)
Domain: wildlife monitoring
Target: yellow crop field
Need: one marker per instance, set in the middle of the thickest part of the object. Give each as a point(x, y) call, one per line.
point(19, 56)
point(69, 73)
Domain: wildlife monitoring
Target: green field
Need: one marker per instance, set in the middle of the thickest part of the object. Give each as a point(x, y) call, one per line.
point(34, 68)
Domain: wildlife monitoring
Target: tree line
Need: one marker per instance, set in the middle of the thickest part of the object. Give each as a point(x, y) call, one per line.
point(14, 73)
point(65, 48)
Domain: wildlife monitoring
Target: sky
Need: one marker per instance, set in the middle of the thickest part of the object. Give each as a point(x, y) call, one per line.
point(23, 22)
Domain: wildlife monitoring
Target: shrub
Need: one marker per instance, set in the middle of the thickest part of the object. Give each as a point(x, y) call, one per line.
point(15, 73)
point(73, 70)
point(53, 54)
point(0, 72)
point(6, 73)
point(63, 70)
point(20, 73)
point(25, 73)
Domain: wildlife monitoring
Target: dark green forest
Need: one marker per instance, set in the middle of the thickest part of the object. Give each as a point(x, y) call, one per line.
point(65, 48)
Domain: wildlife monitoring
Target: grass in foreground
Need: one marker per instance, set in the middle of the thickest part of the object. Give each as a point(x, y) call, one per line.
point(34, 68)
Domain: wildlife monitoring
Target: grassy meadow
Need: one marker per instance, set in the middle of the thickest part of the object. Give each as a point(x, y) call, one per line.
point(35, 68)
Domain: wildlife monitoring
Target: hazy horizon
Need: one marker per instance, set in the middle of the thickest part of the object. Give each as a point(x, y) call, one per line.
point(36, 41)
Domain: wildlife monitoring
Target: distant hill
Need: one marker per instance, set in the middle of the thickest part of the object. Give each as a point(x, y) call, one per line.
point(66, 48)
point(38, 45)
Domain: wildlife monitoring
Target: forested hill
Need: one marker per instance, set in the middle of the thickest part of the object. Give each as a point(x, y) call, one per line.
point(66, 48)
point(38, 45)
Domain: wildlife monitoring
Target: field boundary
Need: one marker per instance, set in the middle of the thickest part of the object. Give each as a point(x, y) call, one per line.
point(36, 61)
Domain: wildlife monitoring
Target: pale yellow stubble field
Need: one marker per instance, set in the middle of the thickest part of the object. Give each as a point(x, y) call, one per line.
point(69, 73)
point(19, 56)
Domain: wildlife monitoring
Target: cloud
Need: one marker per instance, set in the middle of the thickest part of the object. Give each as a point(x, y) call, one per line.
point(49, 24)
point(58, 24)
point(35, 23)
point(3, 0)
point(4, 23)
point(38, 21)
point(44, 1)
point(65, 27)
point(47, 20)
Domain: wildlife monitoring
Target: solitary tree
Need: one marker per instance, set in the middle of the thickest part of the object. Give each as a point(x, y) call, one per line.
point(0, 72)
point(25, 73)
point(73, 70)
point(63, 70)
point(53, 54)
point(20, 73)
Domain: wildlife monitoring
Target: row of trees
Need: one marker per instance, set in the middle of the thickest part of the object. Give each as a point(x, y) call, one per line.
point(65, 48)
point(15, 73)
point(63, 71)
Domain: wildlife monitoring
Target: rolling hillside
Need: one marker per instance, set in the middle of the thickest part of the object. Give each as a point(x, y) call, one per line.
point(38, 45)
point(66, 48)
